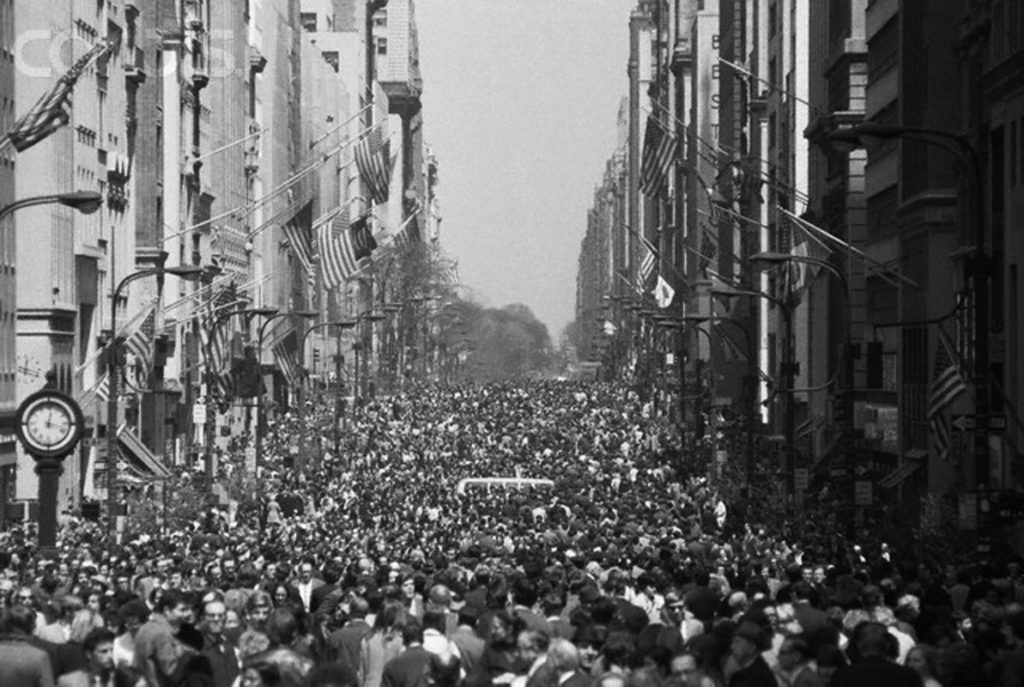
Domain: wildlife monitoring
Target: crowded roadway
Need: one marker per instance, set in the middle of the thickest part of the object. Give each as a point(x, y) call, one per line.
point(604, 557)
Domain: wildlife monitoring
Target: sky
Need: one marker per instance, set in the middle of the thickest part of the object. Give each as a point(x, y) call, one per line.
point(520, 99)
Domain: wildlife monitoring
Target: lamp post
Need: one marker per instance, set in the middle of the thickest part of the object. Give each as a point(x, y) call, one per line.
point(977, 267)
point(113, 353)
point(308, 314)
point(360, 382)
point(85, 202)
point(788, 374)
point(750, 387)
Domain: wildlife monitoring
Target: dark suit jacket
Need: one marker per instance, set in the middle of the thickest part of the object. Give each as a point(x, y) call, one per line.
point(319, 594)
point(408, 669)
point(345, 642)
point(579, 679)
point(876, 672)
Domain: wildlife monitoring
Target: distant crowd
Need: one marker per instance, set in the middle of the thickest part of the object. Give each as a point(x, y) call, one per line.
point(365, 567)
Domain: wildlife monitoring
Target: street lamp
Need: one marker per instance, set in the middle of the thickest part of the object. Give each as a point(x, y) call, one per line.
point(360, 381)
point(787, 376)
point(86, 202)
point(307, 314)
point(977, 268)
point(190, 272)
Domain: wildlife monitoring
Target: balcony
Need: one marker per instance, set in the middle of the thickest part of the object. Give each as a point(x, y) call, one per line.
point(135, 66)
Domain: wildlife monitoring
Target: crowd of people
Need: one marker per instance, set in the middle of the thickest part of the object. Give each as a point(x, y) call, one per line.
point(366, 566)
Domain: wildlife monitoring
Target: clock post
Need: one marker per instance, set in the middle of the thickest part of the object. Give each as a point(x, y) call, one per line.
point(49, 425)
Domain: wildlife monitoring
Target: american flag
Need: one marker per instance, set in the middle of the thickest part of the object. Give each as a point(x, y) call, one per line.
point(298, 238)
point(658, 158)
point(646, 265)
point(408, 234)
point(140, 342)
point(947, 385)
point(51, 111)
point(373, 158)
point(100, 391)
point(285, 358)
point(342, 246)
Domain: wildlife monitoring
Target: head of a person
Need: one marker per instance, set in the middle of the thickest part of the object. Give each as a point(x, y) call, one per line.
point(98, 647)
point(530, 645)
point(619, 650)
point(923, 660)
point(133, 614)
point(358, 607)
point(686, 669)
point(874, 641)
point(306, 571)
point(589, 640)
point(412, 632)
point(257, 672)
point(214, 616)
point(563, 656)
point(828, 659)
point(747, 642)
point(20, 619)
point(174, 606)
point(282, 626)
point(257, 610)
point(83, 622)
point(794, 652)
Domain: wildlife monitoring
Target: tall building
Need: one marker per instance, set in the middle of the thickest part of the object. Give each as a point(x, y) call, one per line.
point(8, 263)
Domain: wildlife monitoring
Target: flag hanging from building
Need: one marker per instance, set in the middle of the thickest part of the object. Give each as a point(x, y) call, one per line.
point(708, 252)
point(285, 358)
point(342, 246)
point(100, 391)
point(610, 328)
point(646, 264)
point(51, 111)
point(947, 385)
point(658, 158)
point(806, 250)
point(295, 230)
point(664, 293)
point(374, 161)
point(409, 233)
point(140, 342)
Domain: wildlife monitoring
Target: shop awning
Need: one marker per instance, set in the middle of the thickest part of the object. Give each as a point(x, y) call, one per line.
point(140, 458)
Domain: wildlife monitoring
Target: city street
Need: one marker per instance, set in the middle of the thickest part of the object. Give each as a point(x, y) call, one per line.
point(466, 343)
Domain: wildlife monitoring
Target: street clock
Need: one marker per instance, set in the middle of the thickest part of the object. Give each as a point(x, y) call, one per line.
point(49, 423)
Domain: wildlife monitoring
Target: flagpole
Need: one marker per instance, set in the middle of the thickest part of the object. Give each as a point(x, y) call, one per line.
point(818, 231)
point(679, 275)
point(226, 146)
point(814, 108)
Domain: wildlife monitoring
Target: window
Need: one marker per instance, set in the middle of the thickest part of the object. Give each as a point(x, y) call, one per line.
point(773, 18)
point(380, 19)
point(308, 20)
point(382, 46)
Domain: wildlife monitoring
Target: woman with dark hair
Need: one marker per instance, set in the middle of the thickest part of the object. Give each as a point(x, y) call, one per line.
point(382, 644)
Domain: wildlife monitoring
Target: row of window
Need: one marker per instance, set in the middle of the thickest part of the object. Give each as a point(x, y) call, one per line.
point(1015, 153)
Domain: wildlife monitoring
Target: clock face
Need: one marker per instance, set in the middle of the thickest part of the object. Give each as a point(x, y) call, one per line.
point(49, 423)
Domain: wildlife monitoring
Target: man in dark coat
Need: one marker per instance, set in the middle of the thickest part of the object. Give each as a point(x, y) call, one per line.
point(749, 640)
point(345, 641)
point(409, 668)
point(876, 667)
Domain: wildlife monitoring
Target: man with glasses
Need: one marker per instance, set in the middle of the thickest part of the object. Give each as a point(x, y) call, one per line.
point(216, 647)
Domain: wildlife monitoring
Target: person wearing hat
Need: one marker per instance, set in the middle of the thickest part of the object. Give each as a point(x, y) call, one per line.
point(750, 668)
